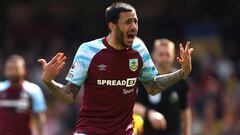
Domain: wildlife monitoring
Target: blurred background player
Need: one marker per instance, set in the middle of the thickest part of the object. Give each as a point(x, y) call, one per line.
point(163, 111)
point(19, 100)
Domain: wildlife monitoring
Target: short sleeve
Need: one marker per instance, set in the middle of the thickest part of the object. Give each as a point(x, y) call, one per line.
point(78, 71)
point(148, 70)
point(81, 62)
point(39, 104)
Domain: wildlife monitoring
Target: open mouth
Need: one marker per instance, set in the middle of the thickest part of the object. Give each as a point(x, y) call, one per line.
point(131, 35)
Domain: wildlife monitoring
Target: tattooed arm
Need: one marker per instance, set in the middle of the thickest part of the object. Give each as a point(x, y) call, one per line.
point(162, 82)
point(66, 93)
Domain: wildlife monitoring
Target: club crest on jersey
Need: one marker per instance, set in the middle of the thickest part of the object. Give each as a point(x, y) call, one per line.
point(133, 64)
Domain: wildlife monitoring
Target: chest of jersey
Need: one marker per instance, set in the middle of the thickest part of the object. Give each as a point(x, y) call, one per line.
point(115, 69)
point(16, 100)
point(15, 109)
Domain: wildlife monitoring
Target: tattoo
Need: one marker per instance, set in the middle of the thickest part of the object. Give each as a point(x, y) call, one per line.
point(67, 93)
point(162, 82)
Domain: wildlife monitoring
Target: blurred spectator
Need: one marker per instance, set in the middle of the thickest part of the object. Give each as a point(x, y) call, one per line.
point(20, 101)
point(166, 112)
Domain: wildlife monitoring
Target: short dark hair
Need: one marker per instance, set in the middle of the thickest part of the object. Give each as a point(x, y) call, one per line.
point(113, 11)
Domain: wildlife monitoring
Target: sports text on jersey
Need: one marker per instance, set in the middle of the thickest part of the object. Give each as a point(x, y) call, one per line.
point(129, 82)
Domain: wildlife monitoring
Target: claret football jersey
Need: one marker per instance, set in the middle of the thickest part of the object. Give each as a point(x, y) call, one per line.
point(109, 77)
point(16, 106)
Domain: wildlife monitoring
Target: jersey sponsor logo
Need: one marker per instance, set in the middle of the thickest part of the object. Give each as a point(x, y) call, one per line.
point(129, 82)
point(128, 91)
point(21, 105)
point(102, 67)
point(133, 64)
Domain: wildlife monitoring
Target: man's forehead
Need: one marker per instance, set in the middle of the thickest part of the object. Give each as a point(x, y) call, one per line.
point(128, 15)
point(162, 48)
point(15, 62)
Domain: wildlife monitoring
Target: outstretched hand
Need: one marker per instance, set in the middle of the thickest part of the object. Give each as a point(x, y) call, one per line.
point(51, 69)
point(185, 60)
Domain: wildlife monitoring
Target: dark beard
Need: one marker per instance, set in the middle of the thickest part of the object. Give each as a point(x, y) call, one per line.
point(120, 37)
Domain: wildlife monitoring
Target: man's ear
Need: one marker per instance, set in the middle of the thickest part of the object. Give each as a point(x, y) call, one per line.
point(111, 26)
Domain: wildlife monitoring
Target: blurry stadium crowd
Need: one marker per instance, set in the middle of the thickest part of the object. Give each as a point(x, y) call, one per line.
point(37, 29)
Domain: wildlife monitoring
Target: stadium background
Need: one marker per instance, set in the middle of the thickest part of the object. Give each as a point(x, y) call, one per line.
point(41, 28)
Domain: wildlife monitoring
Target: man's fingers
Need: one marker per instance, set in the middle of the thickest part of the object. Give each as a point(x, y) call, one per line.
point(187, 47)
point(61, 55)
point(187, 56)
point(54, 59)
point(179, 60)
point(185, 53)
point(190, 51)
point(60, 60)
point(60, 67)
point(181, 47)
point(42, 61)
point(63, 59)
point(52, 68)
point(181, 50)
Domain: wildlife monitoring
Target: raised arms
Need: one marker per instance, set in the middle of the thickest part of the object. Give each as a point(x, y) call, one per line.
point(162, 82)
point(50, 70)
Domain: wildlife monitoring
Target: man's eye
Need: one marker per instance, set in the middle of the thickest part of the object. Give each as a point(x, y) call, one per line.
point(135, 21)
point(128, 22)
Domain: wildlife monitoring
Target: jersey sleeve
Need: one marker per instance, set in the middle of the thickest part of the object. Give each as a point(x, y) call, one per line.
point(78, 71)
point(148, 70)
point(4, 85)
point(39, 104)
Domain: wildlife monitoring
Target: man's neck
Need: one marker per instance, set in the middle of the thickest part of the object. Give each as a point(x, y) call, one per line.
point(113, 42)
point(16, 83)
point(163, 70)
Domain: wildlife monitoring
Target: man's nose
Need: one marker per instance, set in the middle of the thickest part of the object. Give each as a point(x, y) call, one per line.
point(133, 27)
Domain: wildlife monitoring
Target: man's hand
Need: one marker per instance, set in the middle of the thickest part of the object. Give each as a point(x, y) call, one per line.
point(185, 59)
point(157, 120)
point(53, 67)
